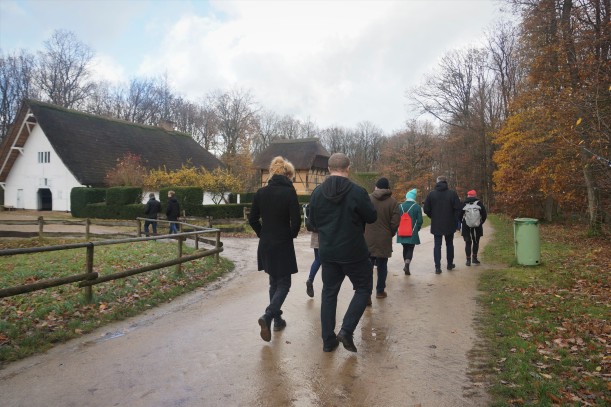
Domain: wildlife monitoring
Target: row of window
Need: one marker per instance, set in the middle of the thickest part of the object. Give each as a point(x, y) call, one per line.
point(44, 157)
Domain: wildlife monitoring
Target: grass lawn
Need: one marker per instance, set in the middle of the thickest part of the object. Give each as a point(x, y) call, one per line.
point(33, 322)
point(548, 327)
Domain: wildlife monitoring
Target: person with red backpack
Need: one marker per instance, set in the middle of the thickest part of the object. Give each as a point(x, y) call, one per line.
point(474, 216)
point(410, 238)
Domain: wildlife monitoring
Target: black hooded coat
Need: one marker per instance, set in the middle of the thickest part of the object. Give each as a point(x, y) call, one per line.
point(443, 206)
point(339, 210)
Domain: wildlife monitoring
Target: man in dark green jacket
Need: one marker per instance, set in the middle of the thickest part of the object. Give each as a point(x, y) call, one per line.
point(339, 210)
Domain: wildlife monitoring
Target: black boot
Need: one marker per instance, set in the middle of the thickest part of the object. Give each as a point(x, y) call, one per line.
point(468, 261)
point(265, 322)
point(474, 260)
point(406, 267)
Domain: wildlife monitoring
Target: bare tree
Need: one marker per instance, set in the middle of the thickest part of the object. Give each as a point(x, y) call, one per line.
point(63, 69)
point(236, 113)
point(16, 84)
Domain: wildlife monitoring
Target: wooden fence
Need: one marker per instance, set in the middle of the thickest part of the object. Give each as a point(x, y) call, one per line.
point(89, 278)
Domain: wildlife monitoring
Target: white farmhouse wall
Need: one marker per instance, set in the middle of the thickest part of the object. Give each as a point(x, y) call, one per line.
point(29, 175)
point(207, 199)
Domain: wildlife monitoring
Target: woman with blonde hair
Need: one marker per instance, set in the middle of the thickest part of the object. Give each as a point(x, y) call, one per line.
point(276, 219)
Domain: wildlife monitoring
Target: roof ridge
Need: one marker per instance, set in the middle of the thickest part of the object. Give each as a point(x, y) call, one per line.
point(99, 117)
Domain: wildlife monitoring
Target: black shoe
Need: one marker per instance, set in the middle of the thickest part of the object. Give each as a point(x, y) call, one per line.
point(309, 288)
point(406, 268)
point(437, 270)
point(468, 262)
point(346, 340)
point(279, 324)
point(451, 266)
point(264, 322)
point(330, 347)
point(475, 261)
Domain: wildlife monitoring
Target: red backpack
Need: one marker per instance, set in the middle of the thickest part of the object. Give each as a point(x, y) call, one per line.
point(405, 225)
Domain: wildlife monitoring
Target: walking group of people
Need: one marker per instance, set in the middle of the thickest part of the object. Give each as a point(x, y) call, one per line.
point(152, 209)
point(352, 233)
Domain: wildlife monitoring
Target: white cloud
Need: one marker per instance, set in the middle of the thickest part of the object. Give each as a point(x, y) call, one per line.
point(105, 68)
point(335, 62)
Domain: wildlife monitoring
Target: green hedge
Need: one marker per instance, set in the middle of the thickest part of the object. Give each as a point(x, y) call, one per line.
point(80, 197)
point(245, 197)
point(103, 211)
point(227, 211)
point(187, 197)
point(123, 195)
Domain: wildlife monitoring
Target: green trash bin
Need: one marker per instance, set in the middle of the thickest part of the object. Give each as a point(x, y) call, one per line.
point(527, 245)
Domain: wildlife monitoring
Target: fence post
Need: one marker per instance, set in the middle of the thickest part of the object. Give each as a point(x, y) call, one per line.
point(89, 267)
point(41, 224)
point(197, 241)
point(179, 240)
point(87, 227)
point(218, 245)
point(139, 224)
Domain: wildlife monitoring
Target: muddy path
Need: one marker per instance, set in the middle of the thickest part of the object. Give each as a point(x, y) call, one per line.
point(204, 349)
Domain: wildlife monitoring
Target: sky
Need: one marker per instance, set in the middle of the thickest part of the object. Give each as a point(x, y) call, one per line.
point(336, 63)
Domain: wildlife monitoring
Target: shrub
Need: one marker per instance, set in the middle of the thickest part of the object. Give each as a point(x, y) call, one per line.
point(80, 197)
point(123, 195)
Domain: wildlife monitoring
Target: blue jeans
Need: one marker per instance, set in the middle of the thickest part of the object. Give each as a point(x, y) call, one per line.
point(382, 265)
point(333, 274)
point(315, 266)
point(146, 227)
point(449, 249)
point(278, 290)
point(173, 228)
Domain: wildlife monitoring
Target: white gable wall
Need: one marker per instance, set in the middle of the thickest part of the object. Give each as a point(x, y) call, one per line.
point(28, 175)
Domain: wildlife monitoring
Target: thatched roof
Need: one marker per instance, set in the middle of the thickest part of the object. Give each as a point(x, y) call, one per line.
point(90, 145)
point(303, 153)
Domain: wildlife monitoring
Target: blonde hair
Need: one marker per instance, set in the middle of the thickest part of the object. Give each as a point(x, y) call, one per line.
point(281, 166)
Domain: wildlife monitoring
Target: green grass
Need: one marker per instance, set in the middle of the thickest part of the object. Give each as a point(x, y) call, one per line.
point(33, 322)
point(547, 326)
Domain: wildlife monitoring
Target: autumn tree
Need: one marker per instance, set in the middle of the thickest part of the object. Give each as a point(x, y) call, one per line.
point(567, 46)
point(129, 171)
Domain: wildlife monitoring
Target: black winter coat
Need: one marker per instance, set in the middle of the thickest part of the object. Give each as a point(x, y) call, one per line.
point(479, 231)
point(173, 210)
point(275, 216)
point(443, 206)
point(152, 208)
point(339, 210)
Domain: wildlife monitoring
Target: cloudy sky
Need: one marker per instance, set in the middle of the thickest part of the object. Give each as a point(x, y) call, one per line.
point(333, 62)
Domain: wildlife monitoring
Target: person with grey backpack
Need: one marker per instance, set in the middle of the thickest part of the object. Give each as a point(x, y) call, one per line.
point(474, 216)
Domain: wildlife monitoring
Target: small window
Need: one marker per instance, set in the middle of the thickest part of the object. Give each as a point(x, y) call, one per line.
point(44, 157)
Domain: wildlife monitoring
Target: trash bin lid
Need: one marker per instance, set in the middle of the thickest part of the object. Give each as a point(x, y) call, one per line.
point(528, 221)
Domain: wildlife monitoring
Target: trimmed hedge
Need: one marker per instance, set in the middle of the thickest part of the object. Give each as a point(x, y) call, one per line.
point(80, 197)
point(123, 195)
point(245, 197)
point(103, 211)
point(188, 198)
point(228, 211)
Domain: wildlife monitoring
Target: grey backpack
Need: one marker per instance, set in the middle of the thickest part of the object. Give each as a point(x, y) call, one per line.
point(472, 216)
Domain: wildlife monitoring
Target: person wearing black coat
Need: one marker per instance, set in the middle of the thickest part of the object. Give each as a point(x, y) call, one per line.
point(275, 216)
point(472, 235)
point(173, 211)
point(443, 206)
point(152, 208)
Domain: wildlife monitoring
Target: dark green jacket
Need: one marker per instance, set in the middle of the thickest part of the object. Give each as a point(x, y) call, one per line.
point(339, 209)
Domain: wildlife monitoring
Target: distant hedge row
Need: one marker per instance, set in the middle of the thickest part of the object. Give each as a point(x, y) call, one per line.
point(125, 203)
point(247, 197)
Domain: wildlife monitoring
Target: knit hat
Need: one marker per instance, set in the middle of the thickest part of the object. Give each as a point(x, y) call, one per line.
point(383, 183)
point(472, 193)
point(411, 194)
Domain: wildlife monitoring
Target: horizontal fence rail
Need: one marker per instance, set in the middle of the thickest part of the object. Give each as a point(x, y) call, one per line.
point(90, 278)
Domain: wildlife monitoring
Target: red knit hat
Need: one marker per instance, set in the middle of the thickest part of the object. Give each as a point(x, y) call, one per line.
point(472, 193)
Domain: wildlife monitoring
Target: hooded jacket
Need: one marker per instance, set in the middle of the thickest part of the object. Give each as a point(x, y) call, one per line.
point(173, 210)
point(339, 209)
point(378, 235)
point(443, 206)
point(275, 216)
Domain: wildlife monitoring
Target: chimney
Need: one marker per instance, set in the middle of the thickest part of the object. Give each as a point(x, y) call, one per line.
point(166, 124)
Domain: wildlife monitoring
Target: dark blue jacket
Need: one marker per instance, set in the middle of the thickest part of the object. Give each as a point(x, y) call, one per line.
point(443, 206)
